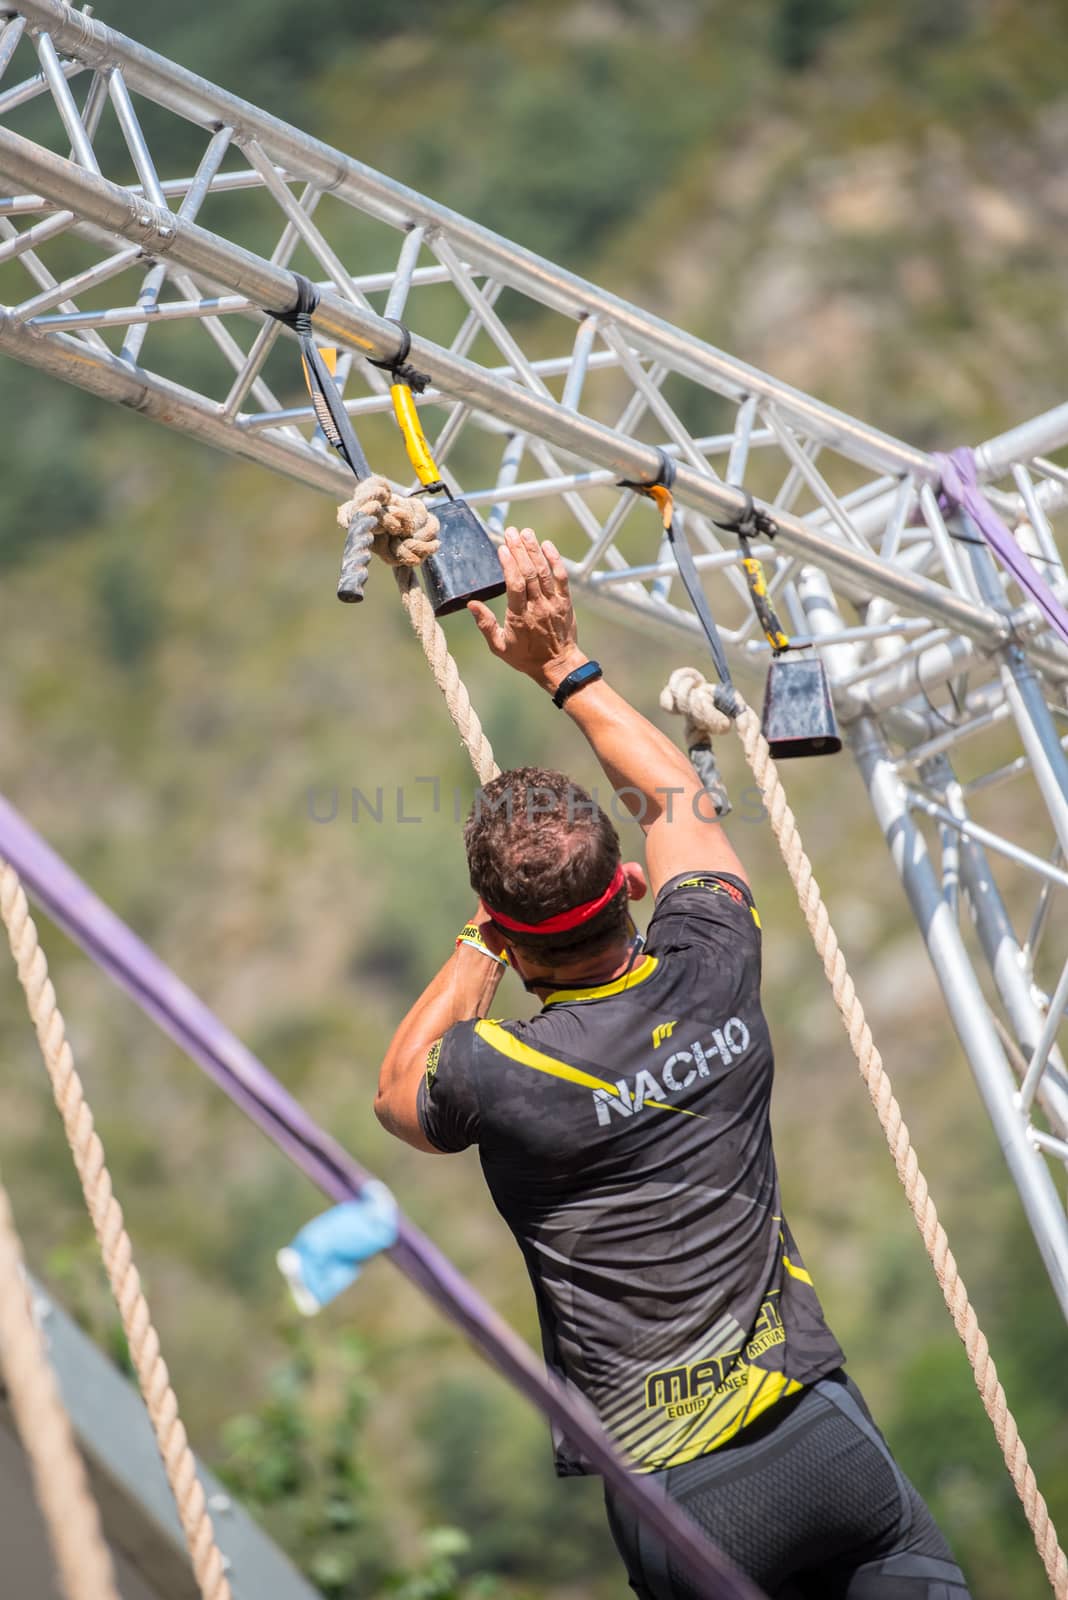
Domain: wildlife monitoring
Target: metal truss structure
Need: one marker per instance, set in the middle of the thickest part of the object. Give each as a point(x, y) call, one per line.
point(148, 222)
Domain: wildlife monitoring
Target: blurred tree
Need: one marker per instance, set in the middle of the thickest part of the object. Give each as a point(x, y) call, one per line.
point(128, 603)
point(52, 488)
point(485, 1443)
point(297, 1461)
point(801, 28)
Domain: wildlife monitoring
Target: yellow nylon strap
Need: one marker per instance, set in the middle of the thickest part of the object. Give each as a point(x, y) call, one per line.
point(407, 416)
point(765, 610)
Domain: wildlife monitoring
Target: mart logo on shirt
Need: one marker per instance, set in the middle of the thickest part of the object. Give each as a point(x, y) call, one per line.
point(652, 1089)
point(684, 1390)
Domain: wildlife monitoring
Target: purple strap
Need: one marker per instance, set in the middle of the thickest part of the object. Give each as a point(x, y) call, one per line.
point(241, 1076)
point(960, 489)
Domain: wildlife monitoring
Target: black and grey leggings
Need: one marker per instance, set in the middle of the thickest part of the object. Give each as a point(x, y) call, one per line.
point(809, 1503)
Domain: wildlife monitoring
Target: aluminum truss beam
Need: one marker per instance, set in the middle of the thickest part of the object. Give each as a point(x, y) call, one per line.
point(948, 680)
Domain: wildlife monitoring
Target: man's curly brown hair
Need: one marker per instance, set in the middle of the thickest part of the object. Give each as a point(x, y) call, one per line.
point(538, 844)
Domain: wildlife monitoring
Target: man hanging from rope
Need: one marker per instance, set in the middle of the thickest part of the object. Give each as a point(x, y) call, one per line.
point(624, 1135)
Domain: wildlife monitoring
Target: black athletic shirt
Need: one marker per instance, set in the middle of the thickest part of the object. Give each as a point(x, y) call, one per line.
point(625, 1139)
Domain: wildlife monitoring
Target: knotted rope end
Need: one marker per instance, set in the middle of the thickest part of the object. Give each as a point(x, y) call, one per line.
point(406, 530)
point(689, 694)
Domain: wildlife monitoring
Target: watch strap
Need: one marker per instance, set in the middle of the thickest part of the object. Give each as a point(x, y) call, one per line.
point(589, 672)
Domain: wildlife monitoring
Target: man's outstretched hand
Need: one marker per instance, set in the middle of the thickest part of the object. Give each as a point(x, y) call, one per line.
point(539, 634)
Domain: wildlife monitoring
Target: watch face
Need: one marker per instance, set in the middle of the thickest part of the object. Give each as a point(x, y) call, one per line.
point(587, 673)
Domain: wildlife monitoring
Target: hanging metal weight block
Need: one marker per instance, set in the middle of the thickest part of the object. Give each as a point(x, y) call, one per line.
point(798, 714)
point(466, 567)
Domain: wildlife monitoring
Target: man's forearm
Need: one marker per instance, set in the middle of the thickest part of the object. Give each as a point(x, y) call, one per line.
point(649, 773)
point(462, 989)
point(655, 781)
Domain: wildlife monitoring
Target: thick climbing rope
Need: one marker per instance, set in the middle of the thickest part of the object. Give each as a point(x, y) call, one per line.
point(691, 696)
point(402, 535)
point(59, 1478)
point(431, 636)
point(114, 1241)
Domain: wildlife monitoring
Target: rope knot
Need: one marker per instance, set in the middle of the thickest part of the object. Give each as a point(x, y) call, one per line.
point(406, 530)
point(688, 694)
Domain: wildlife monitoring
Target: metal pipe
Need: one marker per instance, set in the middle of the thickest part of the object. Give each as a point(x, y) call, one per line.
point(1044, 1141)
point(966, 1003)
point(585, 334)
point(1039, 521)
point(135, 139)
point(39, 234)
point(932, 516)
point(58, 293)
point(738, 459)
point(666, 567)
point(999, 775)
point(661, 410)
point(917, 801)
point(12, 32)
point(93, 106)
point(1025, 696)
point(807, 471)
point(40, 274)
point(928, 637)
point(324, 253)
point(899, 514)
point(397, 298)
point(30, 88)
point(955, 735)
point(144, 311)
point(28, 205)
point(950, 846)
point(1038, 436)
point(856, 635)
point(1039, 920)
point(270, 332)
point(919, 673)
point(1040, 1055)
point(219, 305)
point(148, 299)
point(987, 908)
point(507, 473)
point(1007, 961)
point(71, 117)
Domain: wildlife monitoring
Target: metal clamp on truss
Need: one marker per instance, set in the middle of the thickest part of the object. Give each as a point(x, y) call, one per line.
point(466, 566)
point(660, 492)
point(329, 408)
point(798, 717)
point(750, 523)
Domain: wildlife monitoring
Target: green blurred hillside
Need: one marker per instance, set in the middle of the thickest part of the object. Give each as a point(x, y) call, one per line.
point(868, 201)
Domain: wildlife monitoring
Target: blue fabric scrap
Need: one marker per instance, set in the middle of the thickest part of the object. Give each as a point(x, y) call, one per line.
point(326, 1256)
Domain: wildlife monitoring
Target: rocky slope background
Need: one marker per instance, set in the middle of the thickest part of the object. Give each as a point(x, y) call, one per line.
point(868, 201)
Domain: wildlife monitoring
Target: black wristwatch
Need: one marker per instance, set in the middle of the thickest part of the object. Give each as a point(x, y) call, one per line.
point(589, 672)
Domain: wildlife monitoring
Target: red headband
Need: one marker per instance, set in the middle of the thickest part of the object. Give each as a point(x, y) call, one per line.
point(564, 919)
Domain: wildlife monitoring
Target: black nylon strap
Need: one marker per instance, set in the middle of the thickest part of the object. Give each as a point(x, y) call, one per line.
point(691, 581)
point(399, 366)
point(665, 476)
point(749, 522)
point(327, 402)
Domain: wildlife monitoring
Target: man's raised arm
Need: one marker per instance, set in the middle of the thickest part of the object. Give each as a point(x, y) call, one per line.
point(654, 779)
